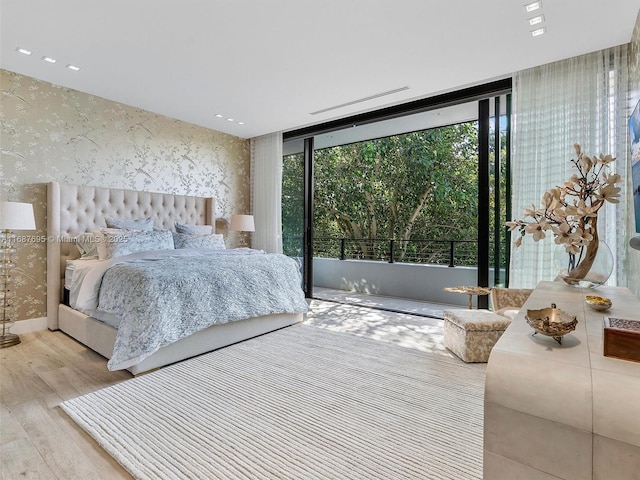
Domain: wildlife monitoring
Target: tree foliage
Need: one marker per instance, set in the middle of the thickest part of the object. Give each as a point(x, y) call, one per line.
point(419, 185)
point(292, 204)
point(410, 187)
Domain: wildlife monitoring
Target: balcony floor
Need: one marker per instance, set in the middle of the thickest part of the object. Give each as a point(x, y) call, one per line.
point(390, 304)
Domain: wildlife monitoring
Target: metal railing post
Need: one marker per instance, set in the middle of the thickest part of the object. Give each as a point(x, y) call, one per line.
point(392, 250)
point(452, 247)
point(343, 242)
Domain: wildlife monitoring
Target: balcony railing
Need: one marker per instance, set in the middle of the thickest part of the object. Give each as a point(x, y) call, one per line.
point(434, 252)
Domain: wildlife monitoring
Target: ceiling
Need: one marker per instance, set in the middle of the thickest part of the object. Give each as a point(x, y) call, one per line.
point(272, 64)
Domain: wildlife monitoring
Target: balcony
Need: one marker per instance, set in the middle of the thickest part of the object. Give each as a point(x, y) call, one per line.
point(416, 269)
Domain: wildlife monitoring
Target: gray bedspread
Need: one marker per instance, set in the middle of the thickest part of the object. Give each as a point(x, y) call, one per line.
point(165, 300)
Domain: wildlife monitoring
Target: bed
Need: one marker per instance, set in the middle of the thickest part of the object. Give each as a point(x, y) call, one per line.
point(74, 210)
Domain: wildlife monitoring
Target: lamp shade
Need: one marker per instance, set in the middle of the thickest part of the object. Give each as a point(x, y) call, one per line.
point(16, 216)
point(242, 223)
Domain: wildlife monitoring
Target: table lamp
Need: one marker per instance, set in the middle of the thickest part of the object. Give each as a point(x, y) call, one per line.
point(242, 223)
point(13, 216)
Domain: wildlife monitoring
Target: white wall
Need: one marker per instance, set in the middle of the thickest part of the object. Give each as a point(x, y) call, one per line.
point(54, 133)
point(405, 280)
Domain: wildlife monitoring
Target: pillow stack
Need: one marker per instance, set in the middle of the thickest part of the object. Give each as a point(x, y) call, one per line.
point(124, 236)
point(197, 236)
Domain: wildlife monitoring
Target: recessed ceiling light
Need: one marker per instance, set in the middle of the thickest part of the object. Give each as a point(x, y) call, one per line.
point(49, 59)
point(73, 67)
point(536, 20)
point(23, 51)
point(219, 115)
point(533, 6)
point(539, 31)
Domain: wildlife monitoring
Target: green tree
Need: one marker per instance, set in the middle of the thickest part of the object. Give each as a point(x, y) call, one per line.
point(419, 185)
point(419, 188)
point(292, 204)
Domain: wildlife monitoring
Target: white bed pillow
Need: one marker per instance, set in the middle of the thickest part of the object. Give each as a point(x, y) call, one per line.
point(215, 241)
point(75, 269)
point(144, 224)
point(116, 242)
point(194, 229)
point(87, 244)
point(74, 274)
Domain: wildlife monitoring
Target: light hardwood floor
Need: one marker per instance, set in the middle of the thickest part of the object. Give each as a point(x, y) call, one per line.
point(37, 439)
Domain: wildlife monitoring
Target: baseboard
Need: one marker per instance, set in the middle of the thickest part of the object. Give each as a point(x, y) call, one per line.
point(30, 325)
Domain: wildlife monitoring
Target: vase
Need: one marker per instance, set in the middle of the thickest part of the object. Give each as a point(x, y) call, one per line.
point(591, 267)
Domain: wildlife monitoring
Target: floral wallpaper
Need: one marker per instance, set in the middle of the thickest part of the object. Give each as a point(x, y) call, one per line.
point(633, 271)
point(54, 133)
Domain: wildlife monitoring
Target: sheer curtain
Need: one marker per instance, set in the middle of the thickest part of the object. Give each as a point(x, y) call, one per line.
point(578, 100)
point(266, 191)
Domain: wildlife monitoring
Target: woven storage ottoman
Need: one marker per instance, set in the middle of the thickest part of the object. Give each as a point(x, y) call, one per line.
point(471, 334)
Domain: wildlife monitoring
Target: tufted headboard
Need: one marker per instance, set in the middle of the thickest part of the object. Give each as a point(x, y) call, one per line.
point(73, 210)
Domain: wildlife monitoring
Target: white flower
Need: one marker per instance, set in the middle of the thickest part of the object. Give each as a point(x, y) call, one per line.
point(581, 210)
point(613, 178)
point(572, 248)
point(563, 233)
point(530, 212)
point(584, 236)
point(537, 230)
point(605, 159)
point(585, 164)
point(570, 211)
point(610, 193)
point(513, 225)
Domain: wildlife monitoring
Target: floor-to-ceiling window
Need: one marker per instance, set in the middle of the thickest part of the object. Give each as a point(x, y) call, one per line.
point(292, 202)
point(296, 222)
point(500, 189)
point(405, 197)
point(403, 187)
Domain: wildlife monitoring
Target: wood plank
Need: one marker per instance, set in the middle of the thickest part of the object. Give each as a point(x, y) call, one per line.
point(77, 456)
point(20, 459)
point(70, 348)
point(37, 439)
point(92, 364)
point(10, 429)
point(18, 382)
point(36, 353)
point(103, 464)
point(69, 382)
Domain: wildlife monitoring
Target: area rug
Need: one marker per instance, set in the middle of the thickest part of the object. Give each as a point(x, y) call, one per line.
point(300, 403)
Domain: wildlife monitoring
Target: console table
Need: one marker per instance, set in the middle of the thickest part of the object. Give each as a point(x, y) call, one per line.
point(562, 411)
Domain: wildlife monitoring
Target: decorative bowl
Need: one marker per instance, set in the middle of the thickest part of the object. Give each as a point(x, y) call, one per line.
point(598, 303)
point(551, 322)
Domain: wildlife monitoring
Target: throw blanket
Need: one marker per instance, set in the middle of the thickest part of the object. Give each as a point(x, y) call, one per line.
point(164, 300)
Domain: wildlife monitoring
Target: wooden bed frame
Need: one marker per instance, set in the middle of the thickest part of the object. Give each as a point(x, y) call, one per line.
point(73, 210)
